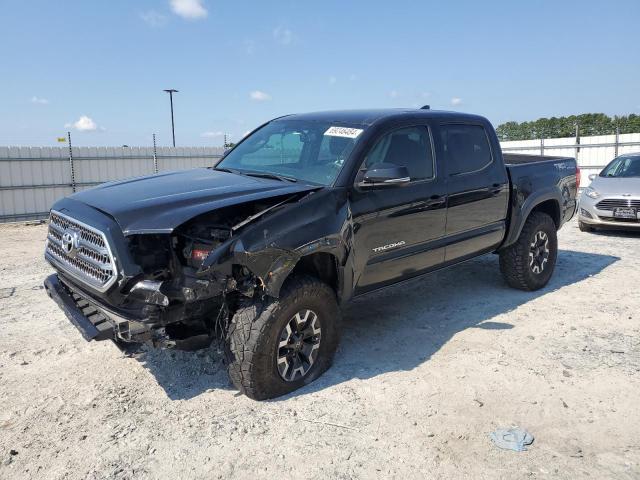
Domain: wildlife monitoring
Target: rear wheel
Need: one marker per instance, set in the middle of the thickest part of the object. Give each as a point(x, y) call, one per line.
point(276, 346)
point(529, 263)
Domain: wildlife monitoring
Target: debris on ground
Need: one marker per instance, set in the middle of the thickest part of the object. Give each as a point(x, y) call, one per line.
point(516, 439)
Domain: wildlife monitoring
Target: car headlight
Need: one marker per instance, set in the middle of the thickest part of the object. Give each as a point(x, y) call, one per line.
point(591, 193)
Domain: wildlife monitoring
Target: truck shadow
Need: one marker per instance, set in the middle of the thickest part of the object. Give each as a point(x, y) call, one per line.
point(396, 329)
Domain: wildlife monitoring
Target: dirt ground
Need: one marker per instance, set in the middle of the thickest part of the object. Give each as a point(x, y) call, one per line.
point(424, 373)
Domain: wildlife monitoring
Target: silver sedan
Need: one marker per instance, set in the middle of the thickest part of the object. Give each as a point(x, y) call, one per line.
point(613, 198)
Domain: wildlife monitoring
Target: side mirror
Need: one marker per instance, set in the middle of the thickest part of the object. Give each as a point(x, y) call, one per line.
point(384, 175)
point(592, 177)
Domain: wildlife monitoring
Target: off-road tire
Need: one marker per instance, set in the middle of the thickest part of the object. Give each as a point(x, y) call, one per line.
point(254, 330)
point(514, 260)
point(584, 227)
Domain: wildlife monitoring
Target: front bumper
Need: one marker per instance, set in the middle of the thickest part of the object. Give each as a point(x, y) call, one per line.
point(96, 321)
point(98, 328)
point(588, 213)
point(93, 320)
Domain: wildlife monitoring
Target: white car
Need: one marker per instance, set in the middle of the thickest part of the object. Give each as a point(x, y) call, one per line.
point(613, 198)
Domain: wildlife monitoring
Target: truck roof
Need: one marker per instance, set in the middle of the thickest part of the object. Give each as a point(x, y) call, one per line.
point(370, 116)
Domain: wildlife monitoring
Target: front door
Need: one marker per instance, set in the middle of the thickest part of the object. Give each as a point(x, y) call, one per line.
point(397, 229)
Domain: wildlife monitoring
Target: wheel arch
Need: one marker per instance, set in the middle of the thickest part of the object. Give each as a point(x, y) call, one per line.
point(546, 202)
point(551, 207)
point(322, 265)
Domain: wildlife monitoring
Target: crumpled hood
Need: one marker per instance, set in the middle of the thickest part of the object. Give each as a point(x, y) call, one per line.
point(160, 203)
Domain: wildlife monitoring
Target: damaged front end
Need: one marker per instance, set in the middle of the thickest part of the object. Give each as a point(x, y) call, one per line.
point(174, 290)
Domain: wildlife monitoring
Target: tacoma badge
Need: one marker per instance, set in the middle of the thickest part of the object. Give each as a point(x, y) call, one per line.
point(387, 247)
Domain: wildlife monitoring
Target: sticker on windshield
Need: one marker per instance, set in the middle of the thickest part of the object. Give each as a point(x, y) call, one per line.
point(343, 132)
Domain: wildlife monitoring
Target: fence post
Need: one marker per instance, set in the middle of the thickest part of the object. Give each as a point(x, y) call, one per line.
point(155, 156)
point(577, 143)
point(542, 147)
point(617, 140)
point(73, 173)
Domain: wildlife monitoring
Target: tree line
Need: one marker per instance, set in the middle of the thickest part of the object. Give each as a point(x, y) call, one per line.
point(556, 127)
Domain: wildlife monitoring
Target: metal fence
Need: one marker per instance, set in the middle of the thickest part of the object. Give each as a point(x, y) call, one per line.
point(593, 153)
point(33, 178)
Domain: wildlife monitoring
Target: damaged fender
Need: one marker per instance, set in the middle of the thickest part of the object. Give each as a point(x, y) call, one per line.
point(271, 258)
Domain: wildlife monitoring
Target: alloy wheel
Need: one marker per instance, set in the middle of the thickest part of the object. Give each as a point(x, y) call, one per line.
point(539, 252)
point(298, 345)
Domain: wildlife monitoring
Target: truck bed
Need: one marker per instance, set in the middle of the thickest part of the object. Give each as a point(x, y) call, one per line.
point(539, 176)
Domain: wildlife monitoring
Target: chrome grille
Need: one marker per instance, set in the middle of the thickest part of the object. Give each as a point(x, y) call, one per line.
point(88, 260)
point(611, 203)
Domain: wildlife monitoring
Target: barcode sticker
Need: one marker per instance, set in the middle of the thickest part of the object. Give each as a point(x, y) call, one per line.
point(343, 132)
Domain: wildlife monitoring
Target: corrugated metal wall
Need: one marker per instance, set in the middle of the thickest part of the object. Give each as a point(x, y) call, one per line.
point(593, 153)
point(32, 178)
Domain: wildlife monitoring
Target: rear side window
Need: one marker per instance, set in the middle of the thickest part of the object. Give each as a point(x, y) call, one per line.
point(406, 147)
point(466, 148)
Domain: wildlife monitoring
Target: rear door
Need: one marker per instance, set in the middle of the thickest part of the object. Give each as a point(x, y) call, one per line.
point(477, 190)
point(397, 228)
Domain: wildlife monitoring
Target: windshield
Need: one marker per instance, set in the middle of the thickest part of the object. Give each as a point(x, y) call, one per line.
point(624, 167)
point(302, 150)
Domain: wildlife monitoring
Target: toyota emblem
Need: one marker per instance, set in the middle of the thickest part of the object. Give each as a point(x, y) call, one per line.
point(70, 242)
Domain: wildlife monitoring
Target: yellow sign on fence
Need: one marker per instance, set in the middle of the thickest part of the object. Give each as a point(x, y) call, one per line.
point(62, 139)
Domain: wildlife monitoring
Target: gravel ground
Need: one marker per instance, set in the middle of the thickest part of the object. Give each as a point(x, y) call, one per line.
point(424, 373)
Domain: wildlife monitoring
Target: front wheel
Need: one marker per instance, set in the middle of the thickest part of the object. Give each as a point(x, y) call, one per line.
point(529, 263)
point(276, 346)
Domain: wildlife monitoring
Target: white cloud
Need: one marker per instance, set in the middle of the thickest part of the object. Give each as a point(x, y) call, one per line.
point(393, 94)
point(332, 80)
point(259, 96)
point(189, 9)
point(212, 134)
point(39, 101)
point(154, 18)
point(283, 35)
point(455, 101)
point(84, 124)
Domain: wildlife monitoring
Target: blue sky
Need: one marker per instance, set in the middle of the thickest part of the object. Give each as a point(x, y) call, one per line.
point(98, 68)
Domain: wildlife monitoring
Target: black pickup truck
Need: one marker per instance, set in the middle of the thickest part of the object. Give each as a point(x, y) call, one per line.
point(305, 213)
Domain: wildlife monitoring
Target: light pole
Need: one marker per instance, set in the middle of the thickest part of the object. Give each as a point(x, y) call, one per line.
point(171, 91)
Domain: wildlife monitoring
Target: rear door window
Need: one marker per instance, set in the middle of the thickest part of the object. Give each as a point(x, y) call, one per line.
point(466, 148)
